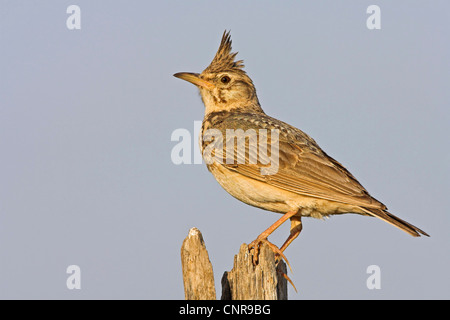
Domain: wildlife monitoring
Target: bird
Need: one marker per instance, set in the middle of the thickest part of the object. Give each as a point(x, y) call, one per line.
point(306, 181)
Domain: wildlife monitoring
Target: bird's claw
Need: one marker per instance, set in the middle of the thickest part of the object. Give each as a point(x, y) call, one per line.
point(279, 255)
point(255, 244)
point(287, 278)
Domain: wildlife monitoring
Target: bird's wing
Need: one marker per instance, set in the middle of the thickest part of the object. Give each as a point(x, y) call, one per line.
point(302, 168)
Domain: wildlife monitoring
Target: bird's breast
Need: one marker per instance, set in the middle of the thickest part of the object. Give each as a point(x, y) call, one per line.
point(250, 191)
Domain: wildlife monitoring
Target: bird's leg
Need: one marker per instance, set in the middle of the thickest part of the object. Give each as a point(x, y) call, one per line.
point(263, 238)
point(296, 228)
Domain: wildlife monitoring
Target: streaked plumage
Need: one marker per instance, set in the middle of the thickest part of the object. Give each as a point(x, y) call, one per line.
point(308, 181)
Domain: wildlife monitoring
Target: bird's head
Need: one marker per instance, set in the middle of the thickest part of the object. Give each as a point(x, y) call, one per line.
point(224, 85)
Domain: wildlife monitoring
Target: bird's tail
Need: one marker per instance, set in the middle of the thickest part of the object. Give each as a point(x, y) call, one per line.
point(396, 221)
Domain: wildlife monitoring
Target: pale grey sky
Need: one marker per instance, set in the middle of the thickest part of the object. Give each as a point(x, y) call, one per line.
point(86, 118)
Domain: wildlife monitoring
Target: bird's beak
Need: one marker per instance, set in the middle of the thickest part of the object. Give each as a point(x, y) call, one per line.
point(195, 79)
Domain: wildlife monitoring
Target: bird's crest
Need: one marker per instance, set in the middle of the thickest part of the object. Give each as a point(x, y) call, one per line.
point(224, 59)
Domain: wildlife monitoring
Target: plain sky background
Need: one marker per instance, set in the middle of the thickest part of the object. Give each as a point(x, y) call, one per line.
point(86, 118)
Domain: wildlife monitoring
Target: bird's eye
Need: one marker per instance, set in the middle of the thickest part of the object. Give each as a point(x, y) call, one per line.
point(225, 79)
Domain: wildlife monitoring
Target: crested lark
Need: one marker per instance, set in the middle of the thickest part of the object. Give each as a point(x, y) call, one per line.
point(306, 183)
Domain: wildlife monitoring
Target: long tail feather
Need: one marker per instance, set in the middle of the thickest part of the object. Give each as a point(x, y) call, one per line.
point(395, 221)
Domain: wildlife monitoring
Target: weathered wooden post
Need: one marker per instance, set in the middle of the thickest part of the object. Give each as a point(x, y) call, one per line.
point(198, 276)
point(265, 281)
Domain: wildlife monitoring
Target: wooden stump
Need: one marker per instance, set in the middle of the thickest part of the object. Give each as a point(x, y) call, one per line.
point(198, 274)
point(265, 281)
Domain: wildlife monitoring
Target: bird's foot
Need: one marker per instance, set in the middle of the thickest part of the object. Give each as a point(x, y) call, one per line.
point(284, 275)
point(279, 255)
point(255, 244)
